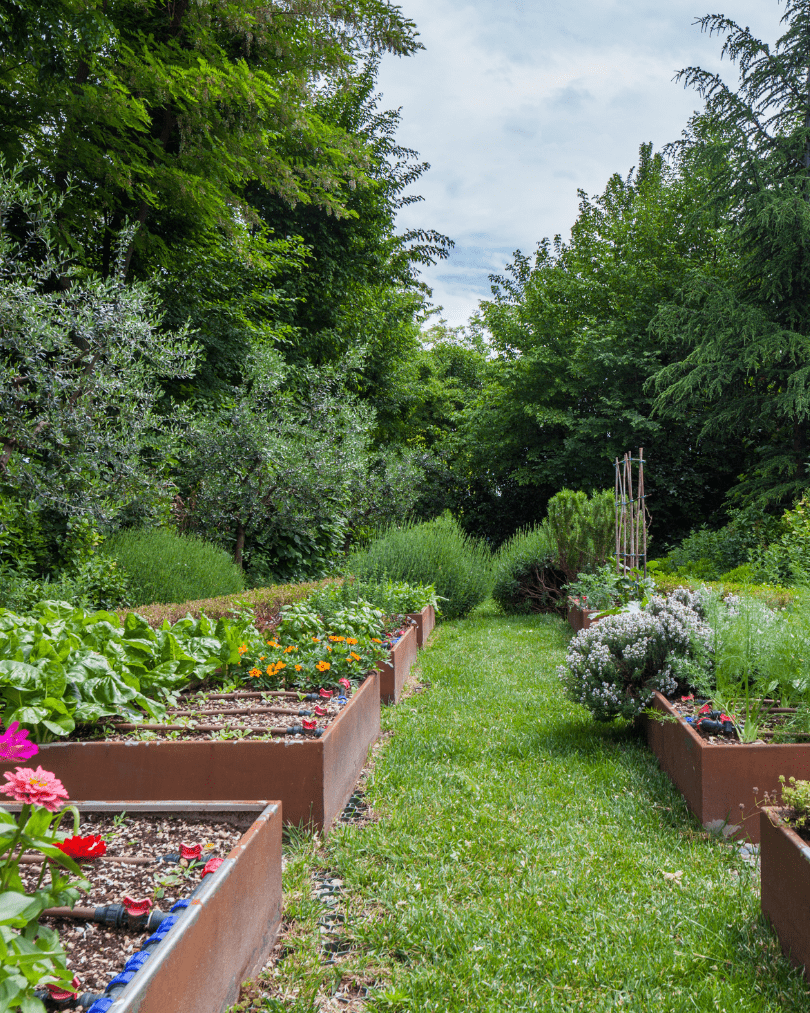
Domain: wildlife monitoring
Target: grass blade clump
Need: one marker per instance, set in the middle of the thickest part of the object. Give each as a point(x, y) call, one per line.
point(164, 566)
point(437, 552)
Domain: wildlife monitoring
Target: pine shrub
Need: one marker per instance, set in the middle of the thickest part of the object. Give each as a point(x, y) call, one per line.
point(164, 566)
point(437, 552)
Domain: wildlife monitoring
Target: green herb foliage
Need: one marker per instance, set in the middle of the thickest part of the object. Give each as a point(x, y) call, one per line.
point(526, 578)
point(437, 552)
point(391, 597)
point(164, 566)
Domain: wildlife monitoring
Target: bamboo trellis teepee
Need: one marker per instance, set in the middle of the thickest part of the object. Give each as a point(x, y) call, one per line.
point(631, 515)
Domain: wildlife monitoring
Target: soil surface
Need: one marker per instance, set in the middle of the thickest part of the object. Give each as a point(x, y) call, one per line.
point(771, 724)
point(96, 952)
point(227, 716)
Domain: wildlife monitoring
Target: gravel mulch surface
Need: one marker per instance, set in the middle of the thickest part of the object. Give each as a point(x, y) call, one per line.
point(97, 952)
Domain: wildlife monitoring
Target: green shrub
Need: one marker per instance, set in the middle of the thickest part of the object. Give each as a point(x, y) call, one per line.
point(708, 554)
point(437, 552)
point(582, 529)
point(526, 576)
point(164, 566)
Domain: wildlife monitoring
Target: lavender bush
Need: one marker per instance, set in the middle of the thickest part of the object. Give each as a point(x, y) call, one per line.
point(614, 667)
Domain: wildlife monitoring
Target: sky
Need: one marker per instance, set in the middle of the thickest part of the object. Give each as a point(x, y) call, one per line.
point(517, 104)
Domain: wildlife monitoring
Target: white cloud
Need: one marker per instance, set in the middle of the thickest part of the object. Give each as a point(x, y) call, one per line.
point(516, 105)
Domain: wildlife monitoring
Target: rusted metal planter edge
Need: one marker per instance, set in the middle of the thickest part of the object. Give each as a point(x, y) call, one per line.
point(425, 623)
point(721, 784)
point(785, 877)
point(226, 933)
point(312, 778)
point(393, 673)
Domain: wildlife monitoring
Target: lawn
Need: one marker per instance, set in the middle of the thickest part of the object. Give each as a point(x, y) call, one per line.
point(525, 858)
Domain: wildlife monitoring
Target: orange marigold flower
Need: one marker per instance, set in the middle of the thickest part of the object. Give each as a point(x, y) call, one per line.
point(298, 668)
point(353, 655)
point(315, 640)
point(351, 640)
point(255, 672)
point(243, 648)
point(328, 648)
point(334, 638)
point(288, 650)
point(280, 665)
point(271, 670)
point(376, 640)
point(323, 666)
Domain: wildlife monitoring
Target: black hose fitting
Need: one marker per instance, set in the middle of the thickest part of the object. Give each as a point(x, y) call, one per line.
point(117, 917)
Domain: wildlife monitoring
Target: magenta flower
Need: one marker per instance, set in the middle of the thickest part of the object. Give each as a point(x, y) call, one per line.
point(211, 866)
point(35, 787)
point(136, 908)
point(14, 745)
point(191, 852)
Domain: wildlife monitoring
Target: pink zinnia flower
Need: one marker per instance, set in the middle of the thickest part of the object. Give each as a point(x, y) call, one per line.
point(92, 846)
point(35, 787)
point(136, 908)
point(211, 866)
point(14, 745)
point(191, 852)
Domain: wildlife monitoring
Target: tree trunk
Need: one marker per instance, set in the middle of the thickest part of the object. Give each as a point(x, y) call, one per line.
point(240, 544)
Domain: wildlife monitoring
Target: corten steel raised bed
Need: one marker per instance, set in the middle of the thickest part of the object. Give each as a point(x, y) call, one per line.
point(393, 673)
point(579, 619)
point(228, 929)
point(716, 779)
point(425, 621)
point(313, 778)
point(785, 876)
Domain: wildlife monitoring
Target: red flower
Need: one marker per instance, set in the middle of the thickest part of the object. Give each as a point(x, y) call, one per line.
point(211, 866)
point(60, 994)
point(136, 908)
point(310, 724)
point(345, 684)
point(691, 696)
point(705, 709)
point(92, 846)
point(320, 711)
point(326, 694)
point(35, 787)
point(191, 852)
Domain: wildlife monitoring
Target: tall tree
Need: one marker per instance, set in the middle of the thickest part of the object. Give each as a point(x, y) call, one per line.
point(740, 341)
point(567, 392)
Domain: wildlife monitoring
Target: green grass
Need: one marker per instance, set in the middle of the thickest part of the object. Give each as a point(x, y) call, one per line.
point(519, 860)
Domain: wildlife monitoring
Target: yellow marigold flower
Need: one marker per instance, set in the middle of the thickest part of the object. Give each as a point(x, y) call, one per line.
point(255, 672)
point(243, 648)
point(270, 670)
point(280, 665)
point(323, 666)
point(298, 668)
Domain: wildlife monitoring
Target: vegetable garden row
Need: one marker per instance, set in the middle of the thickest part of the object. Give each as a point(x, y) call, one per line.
point(188, 746)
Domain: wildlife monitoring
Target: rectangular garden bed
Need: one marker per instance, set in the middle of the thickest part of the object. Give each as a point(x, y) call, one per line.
point(312, 777)
point(717, 779)
point(222, 933)
point(579, 619)
point(425, 621)
point(785, 873)
point(393, 673)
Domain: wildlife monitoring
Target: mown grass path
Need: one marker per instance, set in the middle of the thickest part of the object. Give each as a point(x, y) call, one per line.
point(519, 861)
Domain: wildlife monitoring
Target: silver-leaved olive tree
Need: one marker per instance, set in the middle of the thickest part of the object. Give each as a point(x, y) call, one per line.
point(81, 362)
